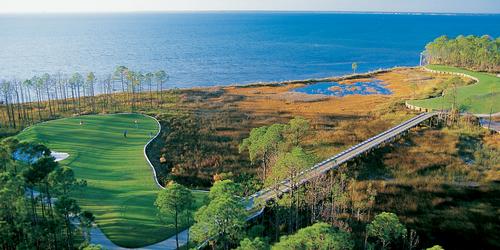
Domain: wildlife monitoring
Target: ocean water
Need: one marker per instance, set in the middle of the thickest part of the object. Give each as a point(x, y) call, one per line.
point(202, 49)
point(374, 87)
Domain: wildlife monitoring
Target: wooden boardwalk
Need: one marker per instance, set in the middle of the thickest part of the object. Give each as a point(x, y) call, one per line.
point(333, 162)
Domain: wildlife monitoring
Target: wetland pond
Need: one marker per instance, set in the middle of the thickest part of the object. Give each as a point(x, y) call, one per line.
point(374, 87)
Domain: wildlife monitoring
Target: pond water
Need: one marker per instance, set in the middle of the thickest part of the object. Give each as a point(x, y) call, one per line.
point(375, 87)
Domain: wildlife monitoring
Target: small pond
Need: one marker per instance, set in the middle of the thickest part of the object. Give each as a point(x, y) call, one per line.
point(375, 87)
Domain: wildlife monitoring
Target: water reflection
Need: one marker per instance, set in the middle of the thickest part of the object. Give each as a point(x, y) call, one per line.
point(337, 89)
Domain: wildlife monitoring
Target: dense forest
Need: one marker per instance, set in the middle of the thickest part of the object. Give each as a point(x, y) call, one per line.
point(36, 208)
point(472, 52)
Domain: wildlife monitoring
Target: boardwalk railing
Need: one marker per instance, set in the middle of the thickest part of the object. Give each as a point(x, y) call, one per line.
point(323, 167)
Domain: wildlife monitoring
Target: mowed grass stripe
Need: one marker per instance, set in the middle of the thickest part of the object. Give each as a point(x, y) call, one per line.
point(120, 190)
point(479, 98)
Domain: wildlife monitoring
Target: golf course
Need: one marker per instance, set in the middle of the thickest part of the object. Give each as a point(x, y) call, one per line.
point(120, 189)
point(479, 98)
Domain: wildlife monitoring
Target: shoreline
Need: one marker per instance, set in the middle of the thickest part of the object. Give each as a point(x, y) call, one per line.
point(247, 85)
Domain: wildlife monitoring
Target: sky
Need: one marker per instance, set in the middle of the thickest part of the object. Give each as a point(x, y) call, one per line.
point(446, 6)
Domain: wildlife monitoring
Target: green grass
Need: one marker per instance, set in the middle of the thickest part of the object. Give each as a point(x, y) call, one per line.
point(480, 98)
point(121, 190)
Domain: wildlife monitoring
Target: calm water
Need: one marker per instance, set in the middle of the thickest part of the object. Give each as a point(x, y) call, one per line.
point(199, 49)
point(336, 89)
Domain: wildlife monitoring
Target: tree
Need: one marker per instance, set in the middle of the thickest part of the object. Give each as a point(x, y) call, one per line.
point(66, 207)
point(354, 67)
point(386, 228)
point(318, 236)
point(6, 89)
point(63, 180)
point(361, 199)
point(221, 221)
point(473, 52)
point(32, 222)
point(289, 166)
point(263, 144)
point(120, 74)
point(296, 130)
point(148, 79)
point(76, 81)
point(133, 81)
point(13, 215)
point(224, 187)
point(90, 86)
point(47, 83)
point(255, 244)
point(28, 84)
point(175, 200)
point(86, 220)
point(161, 77)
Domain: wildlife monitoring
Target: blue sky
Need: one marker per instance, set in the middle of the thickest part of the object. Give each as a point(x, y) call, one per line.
point(455, 6)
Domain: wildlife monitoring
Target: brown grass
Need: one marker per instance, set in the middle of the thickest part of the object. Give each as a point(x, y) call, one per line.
point(337, 122)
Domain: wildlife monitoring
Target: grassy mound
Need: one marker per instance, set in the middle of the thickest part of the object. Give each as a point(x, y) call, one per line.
point(480, 98)
point(121, 190)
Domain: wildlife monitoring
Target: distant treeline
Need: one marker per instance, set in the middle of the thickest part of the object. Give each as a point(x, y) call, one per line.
point(49, 96)
point(472, 52)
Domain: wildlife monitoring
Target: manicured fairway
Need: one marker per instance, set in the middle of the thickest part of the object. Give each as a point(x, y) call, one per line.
point(478, 98)
point(120, 190)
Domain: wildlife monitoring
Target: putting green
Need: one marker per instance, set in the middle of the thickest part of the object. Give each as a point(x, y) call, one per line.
point(479, 98)
point(120, 187)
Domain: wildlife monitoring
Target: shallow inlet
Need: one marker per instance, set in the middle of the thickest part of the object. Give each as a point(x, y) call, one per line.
point(375, 87)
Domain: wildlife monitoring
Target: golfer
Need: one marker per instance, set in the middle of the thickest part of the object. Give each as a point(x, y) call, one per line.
point(125, 133)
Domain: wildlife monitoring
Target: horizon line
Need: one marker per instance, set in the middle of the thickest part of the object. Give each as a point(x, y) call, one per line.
point(254, 11)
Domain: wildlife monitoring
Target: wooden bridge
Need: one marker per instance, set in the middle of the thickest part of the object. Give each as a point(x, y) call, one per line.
point(335, 161)
point(257, 200)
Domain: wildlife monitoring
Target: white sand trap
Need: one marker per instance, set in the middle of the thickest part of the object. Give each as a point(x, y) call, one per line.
point(59, 155)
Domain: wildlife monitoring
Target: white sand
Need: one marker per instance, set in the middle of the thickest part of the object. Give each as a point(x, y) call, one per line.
point(59, 155)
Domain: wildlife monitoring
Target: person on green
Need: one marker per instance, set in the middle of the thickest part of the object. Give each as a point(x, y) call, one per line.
point(125, 133)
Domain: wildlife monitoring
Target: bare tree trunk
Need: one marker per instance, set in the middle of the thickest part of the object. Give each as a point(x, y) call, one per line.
point(49, 101)
point(38, 104)
point(19, 113)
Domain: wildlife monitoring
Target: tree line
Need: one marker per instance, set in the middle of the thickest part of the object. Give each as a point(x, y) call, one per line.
point(36, 208)
point(49, 96)
point(472, 52)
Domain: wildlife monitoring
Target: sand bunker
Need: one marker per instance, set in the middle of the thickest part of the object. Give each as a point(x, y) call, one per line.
point(59, 156)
